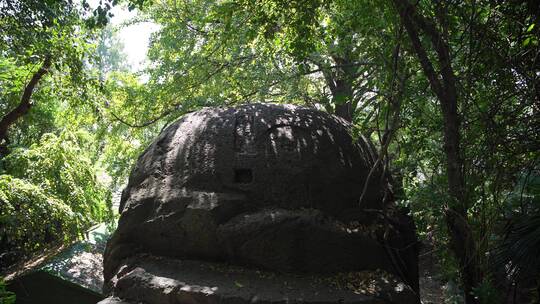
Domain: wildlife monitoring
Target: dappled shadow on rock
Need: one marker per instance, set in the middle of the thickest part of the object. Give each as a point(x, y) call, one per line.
point(272, 187)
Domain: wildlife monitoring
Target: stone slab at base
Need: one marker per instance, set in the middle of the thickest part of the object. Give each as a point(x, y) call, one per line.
point(113, 300)
point(153, 280)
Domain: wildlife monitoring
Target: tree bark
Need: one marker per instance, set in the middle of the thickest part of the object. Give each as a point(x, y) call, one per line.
point(443, 84)
point(24, 105)
point(343, 89)
point(343, 109)
point(339, 80)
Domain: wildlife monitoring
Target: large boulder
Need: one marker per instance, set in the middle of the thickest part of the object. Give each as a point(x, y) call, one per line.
point(274, 187)
point(267, 155)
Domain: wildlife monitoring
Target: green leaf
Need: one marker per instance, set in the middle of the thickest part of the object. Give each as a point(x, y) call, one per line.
point(238, 284)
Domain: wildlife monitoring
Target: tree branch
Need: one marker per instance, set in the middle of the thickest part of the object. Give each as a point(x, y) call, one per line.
point(25, 103)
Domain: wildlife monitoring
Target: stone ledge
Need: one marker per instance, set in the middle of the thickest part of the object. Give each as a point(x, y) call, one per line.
point(153, 280)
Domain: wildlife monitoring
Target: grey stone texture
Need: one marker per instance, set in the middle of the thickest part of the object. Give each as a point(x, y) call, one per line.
point(265, 186)
point(154, 280)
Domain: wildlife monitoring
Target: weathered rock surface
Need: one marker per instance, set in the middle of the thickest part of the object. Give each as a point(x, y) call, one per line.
point(266, 186)
point(151, 280)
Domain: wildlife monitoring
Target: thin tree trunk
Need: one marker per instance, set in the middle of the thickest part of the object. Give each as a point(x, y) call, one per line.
point(339, 80)
point(344, 109)
point(343, 90)
point(444, 86)
point(24, 105)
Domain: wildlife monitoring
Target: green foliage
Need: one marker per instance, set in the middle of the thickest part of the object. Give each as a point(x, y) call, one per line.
point(6, 297)
point(31, 219)
point(109, 53)
point(50, 190)
point(487, 293)
point(54, 24)
point(62, 167)
point(518, 252)
point(50, 194)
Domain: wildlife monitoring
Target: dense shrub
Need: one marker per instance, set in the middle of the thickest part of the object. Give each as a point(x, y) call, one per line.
point(49, 193)
point(6, 297)
point(62, 166)
point(30, 219)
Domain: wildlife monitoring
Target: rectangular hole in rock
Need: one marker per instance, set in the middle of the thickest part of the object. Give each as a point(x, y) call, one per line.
point(243, 176)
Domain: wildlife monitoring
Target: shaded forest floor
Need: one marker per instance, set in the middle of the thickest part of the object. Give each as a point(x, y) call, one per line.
point(431, 286)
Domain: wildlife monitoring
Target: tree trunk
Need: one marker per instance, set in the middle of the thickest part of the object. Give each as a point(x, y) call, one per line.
point(24, 105)
point(443, 85)
point(343, 100)
point(339, 80)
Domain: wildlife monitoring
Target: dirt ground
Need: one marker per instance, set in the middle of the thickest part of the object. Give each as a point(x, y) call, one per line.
point(431, 287)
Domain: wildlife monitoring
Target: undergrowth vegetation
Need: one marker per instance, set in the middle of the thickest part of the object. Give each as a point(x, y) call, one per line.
point(49, 194)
